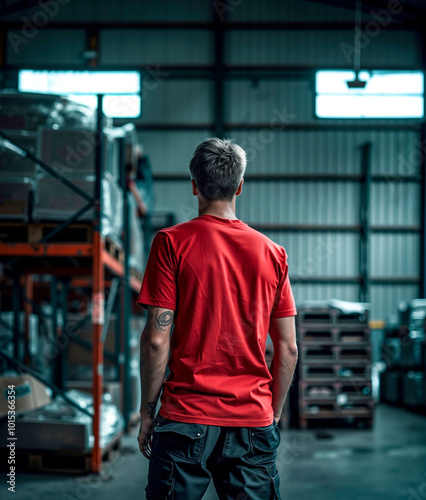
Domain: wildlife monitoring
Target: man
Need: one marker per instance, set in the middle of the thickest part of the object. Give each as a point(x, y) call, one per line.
point(223, 286)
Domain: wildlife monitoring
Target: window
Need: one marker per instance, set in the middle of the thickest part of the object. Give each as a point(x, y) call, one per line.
point(121, 89)
point(387, 94)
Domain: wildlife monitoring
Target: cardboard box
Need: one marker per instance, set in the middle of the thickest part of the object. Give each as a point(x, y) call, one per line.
point(29, 394)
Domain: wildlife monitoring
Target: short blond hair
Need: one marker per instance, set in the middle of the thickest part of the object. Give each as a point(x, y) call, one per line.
point(217, 167)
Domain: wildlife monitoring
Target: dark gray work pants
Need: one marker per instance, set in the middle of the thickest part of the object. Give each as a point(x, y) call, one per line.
point(240, 460)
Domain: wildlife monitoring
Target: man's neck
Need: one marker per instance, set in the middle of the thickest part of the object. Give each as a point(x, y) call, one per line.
point(223, 209)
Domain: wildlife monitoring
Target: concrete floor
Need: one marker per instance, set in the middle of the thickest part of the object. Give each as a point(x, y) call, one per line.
point(386, 463)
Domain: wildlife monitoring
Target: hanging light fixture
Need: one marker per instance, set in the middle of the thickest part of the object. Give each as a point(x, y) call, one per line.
point(357, 83)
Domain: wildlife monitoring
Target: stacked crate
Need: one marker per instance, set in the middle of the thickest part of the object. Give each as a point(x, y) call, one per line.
point(334, 365)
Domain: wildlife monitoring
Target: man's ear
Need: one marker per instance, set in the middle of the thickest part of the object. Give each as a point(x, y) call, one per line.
point(194, 188)
point(240, 188)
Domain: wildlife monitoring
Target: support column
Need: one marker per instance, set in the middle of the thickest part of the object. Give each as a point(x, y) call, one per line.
point(219, 105)
point(125, 297)
point(422, 168)
point(364, 293)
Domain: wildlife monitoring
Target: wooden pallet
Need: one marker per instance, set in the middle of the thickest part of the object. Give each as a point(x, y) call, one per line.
point(324, 408)
point(321, 316)
point(323, 335)
point(318, 316)
point(33, 232)
point(358, 336)
point(358, 371)
point(329, 390)
point(320, 334)
point(335, 354)
point(319, 354)
point(59, 461)
point(357, 410)
point(353, 391)
point(330, 409)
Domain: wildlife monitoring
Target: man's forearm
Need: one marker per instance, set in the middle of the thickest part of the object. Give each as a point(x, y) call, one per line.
point(153, 365)
point(282, 371)
point(154, 352)
point(154, 349)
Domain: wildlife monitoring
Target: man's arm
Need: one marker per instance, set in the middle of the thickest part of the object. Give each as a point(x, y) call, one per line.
point(283, 334)
point(154, 355)
point(142, 208)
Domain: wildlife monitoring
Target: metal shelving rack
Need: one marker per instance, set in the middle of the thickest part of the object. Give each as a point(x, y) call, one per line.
point(22, 260)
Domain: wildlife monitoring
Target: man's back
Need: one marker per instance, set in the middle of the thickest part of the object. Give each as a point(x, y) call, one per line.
point(224, 280)
point(223, 285)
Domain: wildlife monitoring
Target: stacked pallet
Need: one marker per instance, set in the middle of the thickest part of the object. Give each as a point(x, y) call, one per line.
point(334, 364)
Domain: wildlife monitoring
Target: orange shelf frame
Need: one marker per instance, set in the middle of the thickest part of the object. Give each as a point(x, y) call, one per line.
point(46, 249)
point(95, 273)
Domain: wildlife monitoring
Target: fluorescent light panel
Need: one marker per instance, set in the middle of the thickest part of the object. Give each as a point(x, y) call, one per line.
point(80, 82)
point(386, 95)
point(120, 88)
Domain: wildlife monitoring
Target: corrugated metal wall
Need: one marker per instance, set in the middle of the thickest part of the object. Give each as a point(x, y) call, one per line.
point(159, 46)
point(317, 47)
point(284, 103)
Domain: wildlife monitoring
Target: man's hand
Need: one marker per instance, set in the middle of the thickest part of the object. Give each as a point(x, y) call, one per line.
point(145, 436)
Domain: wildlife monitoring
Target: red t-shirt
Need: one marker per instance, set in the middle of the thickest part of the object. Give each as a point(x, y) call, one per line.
point(224, 280)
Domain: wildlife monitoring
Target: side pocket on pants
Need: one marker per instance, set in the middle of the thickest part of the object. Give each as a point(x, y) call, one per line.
point(160, 479)
point(179, 439)
point(263, 445)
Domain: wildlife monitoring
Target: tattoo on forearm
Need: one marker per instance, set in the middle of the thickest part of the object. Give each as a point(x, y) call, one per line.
point(150, 408)
point(160, 321)
point(163, 320)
